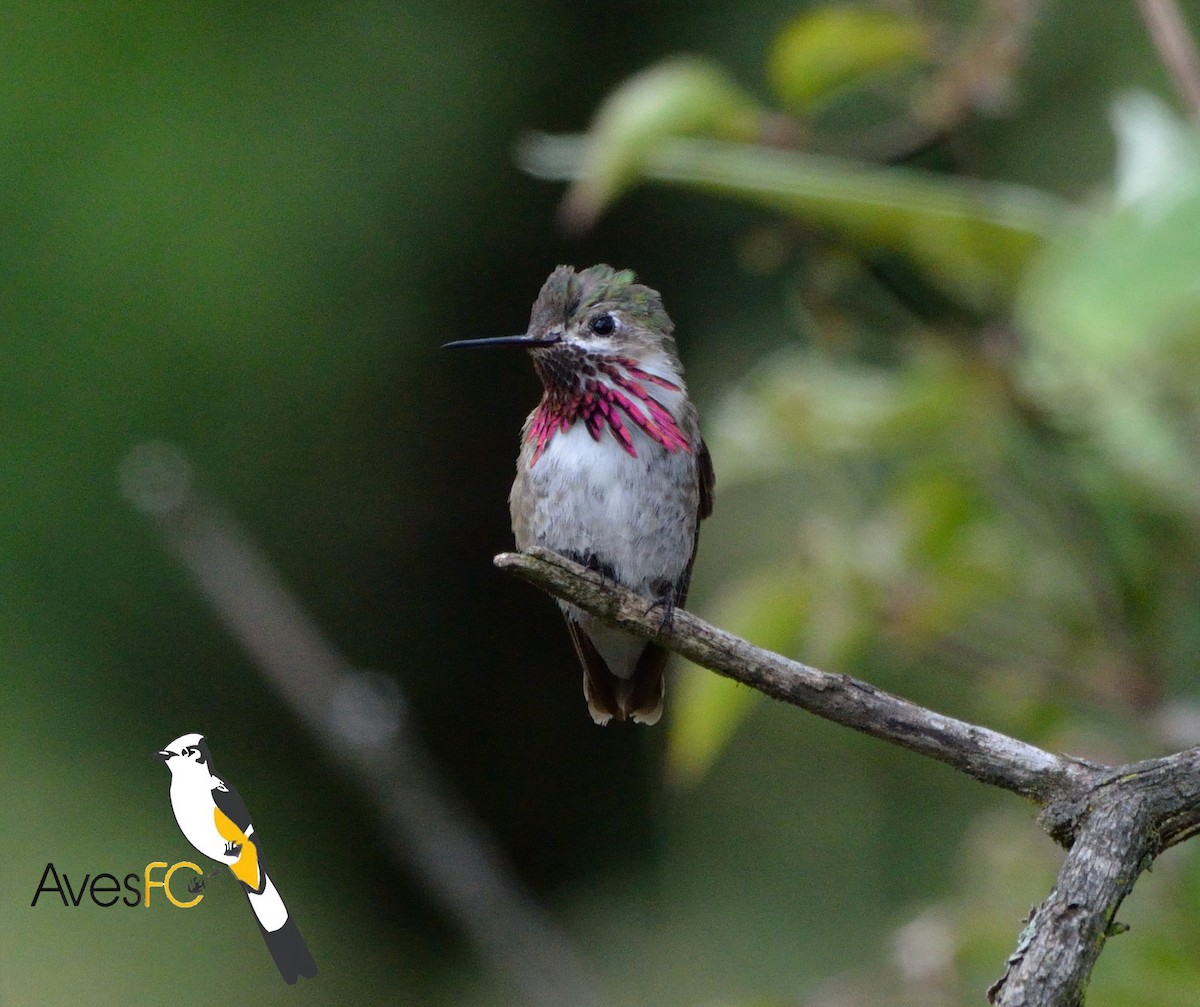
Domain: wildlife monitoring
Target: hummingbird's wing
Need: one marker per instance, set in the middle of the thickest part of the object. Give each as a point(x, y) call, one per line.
point(706, 483)
point(707, 480)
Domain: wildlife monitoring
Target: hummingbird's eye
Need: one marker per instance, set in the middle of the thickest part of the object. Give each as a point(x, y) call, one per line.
point(603, 325)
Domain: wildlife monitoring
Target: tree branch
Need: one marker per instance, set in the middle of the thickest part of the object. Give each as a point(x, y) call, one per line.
point(1130, 817)
point(986, 755)
point(1113, 820)
point(1176, 48)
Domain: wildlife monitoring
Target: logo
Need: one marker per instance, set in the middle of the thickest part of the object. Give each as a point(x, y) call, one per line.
point(104, 890)
point(213, 818)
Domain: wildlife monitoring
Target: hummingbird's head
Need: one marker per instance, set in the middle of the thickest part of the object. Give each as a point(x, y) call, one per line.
point(594, 316)
point(603, 312)
point(602, 345)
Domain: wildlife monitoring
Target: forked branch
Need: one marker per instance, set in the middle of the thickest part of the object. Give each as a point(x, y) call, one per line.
point(1114, 820)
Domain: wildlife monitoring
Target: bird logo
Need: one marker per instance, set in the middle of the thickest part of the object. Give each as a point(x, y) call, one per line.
point(212, 817)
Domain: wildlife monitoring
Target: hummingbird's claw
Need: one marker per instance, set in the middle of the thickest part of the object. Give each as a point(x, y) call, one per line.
point(666, 601)
point(596, 565)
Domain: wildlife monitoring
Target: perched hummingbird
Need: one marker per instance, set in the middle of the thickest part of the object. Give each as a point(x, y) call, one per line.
point(613, 472)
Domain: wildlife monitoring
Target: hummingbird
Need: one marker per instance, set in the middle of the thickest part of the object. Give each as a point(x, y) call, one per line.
point(612, 472)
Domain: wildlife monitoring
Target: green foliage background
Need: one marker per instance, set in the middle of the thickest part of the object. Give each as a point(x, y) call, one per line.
point(956, 459)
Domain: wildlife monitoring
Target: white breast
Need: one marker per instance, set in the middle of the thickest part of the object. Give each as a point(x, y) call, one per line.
point(591, 497)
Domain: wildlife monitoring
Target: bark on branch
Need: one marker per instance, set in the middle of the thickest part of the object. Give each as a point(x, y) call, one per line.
point(1114, 820)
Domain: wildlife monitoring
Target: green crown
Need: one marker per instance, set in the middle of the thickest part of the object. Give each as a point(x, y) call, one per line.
point(568, 294)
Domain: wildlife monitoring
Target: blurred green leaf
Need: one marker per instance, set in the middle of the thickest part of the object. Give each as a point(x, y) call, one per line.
point(822, 52)
point(975, 239)
point(927, 522)
point(706, 711)
point(1112, 311)
point(681, 96)
point(770, 610)
point(801, 407)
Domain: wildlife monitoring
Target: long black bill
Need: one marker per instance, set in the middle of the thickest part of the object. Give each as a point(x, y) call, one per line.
point(521, 342)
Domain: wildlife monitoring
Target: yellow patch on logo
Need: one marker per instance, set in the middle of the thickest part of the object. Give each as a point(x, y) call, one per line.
point(245, 868)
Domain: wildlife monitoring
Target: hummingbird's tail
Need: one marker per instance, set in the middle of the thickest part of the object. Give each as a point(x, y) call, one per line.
point(638, 697)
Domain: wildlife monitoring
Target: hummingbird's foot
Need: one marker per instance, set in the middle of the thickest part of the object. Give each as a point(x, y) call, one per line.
point(232, 849)
point(596, 565)
point(665, 600)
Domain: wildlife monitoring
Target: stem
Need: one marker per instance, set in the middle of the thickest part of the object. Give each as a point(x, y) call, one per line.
point(1114, 820)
